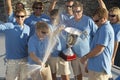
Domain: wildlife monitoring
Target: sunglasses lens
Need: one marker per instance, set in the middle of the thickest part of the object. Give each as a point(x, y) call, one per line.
point(20, 16)
point(112, 15)
point(38, 7)
point(96, 21)
point(77, 11)
point(43, 32)
point(68, 6)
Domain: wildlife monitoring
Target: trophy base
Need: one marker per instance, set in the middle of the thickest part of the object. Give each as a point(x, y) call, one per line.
point(67, 57)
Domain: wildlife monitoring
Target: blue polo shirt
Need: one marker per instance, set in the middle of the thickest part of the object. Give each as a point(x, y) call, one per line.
point(88, 28)
point(104, 36)
point(37, 46)
point(64, 17)
point(32, 20)
point(116, 28)
point(16, 40)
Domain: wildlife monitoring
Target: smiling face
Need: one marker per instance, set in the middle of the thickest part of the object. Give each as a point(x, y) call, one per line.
point(114, 15)
point(37, 8)
point(77, 11)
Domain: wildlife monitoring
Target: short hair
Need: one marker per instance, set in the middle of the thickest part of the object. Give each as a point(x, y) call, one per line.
point(42, 26)
point(101, 13)
point(69, 0)
point(116, 11)
point(78, 4)
point(36, 3)
point(20, 10)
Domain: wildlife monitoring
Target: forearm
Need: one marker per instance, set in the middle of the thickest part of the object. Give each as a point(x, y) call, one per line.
point(95, 52)
point(102, 4)
point(9, 7)
point(35, 58)
point(52, 6)
point(115, 49)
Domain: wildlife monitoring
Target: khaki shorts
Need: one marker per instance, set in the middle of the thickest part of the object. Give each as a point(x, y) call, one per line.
point(97, 75)
point(16, 69)
point(53, 62)
point(63, 67)
point(78, 67)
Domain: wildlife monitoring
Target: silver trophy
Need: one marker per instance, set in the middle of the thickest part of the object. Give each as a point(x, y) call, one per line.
point(68, 54)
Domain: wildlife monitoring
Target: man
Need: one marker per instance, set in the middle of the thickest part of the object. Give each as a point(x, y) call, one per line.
point(11, 15)
point(36, 16)
point(82, 45)
point(102, 47)
point(16, 39)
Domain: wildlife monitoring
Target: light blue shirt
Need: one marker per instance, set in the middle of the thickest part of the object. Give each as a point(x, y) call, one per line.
point(16, 40)
point(104, 36)
point(64, 17)
point(88, 28)
point(116, 28)
point(37, 46)
point(32, 20)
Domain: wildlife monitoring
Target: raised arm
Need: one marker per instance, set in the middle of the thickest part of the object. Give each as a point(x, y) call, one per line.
point(102, 4)
point(9, 7)
point(52, 6)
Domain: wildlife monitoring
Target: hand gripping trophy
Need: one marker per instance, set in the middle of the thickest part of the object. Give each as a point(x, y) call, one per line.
point(69, 54)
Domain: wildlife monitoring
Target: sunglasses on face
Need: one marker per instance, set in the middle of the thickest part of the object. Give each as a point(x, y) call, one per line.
point(44, 33)
point(68, 6)
point(112, 15)
point(96, 21)
point(20, 16)
point(77, 11)
point(38, 8)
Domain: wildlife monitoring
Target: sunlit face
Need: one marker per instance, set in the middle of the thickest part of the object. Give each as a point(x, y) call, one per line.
point(113, 17)
point(41, 34)
point(77, 11)
point(20, 17)
point(38, 10)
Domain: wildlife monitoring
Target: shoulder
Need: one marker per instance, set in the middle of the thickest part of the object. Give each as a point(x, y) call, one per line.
point(32, 39)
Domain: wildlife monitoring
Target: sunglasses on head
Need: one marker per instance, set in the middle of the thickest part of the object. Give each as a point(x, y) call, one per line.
point(38, 8)
point(77, 11)
point(112, 15)
point(20, 16)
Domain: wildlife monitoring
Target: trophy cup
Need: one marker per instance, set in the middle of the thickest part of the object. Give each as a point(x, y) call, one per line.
point(68, 54)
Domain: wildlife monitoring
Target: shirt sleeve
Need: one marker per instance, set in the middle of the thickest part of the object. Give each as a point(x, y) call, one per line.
point(6, 26)
point(103, 37)
point(31, 45)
